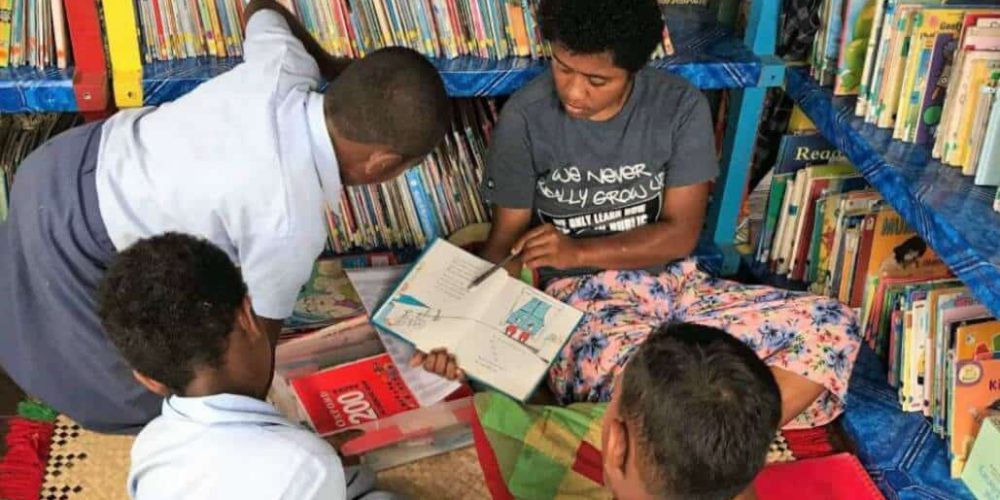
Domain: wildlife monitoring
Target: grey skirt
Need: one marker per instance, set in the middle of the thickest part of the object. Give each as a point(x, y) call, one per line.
point(54, 250)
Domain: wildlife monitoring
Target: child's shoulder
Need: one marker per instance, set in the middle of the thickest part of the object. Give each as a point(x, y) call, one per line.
point(661, 89)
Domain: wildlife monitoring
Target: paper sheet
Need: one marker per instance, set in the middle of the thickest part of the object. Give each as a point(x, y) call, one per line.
point(374, 284)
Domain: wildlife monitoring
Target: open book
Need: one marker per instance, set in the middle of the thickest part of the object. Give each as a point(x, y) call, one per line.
point(503, 332)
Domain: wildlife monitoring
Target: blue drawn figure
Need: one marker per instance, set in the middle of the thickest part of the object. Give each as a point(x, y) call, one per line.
point(526, 321)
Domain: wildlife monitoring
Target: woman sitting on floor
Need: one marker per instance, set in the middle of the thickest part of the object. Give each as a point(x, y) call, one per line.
point(600, 172)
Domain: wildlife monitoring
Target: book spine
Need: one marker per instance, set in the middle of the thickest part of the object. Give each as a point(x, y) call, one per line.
point(425, 209)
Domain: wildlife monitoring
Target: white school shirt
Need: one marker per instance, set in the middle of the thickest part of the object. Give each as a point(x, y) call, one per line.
point(244, 160)
point(228, 446)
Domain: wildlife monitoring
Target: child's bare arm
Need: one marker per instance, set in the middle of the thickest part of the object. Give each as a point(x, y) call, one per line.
point(329, 66)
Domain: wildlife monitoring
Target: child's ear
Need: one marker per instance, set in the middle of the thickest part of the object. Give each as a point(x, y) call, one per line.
point(381, 162)
point(616, 450)
point(247, 320)
point(154, 386)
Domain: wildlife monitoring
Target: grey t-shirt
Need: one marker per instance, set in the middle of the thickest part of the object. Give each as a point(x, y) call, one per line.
point(596, 178)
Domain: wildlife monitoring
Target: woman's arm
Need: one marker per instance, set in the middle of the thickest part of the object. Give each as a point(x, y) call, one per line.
point(508, 225)
point(672, 237)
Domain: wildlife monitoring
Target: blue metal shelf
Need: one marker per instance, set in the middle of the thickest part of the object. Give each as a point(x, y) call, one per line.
point(26, 89)
point(953, 216)
point(711, 58)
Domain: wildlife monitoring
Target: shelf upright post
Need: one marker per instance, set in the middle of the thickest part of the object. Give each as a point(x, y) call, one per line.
point(744, 113)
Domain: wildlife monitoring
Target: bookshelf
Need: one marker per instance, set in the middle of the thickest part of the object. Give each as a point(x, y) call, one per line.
point(711, 59)
point(83, 87)
point(951, 214)
point(956, 218)
point(710, 56)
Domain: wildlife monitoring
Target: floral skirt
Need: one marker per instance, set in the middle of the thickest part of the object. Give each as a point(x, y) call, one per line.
point(813, 336)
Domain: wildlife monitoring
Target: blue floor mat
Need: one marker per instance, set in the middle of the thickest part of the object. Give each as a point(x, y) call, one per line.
point(903, 456)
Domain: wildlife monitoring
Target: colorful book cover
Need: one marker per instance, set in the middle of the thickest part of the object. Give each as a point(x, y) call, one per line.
point(988, 172)
point(831, 42)
point(819, 180)
point(328, 297)
point(852, 236)
point(354, 393)
point(933, 93)
point(934, 296)
point(816, 240)
point(897, 248)
point(977, 383)
point(774, 201)
point(983, 73)
point(968, 42)
point(882, 55)
point(871, 54)
point(980, 121)
point(975, 68)
point(5, 19)
point(864, 254)
point(858, 18)
point(929, 24)
point(982, 472)
point(977, 387)
point(899, 49)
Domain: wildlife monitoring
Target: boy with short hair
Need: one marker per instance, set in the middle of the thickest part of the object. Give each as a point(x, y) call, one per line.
point(691, 417)
point(248, 160)
point(178, 311)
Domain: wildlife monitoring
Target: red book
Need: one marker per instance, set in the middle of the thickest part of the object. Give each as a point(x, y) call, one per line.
point(353, 393)
point(825, 478)
point(862, 260)
point(797, 268)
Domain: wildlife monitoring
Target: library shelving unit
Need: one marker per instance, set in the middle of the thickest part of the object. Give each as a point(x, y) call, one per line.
point(711, 58)
point(957, 220)
point(82, 87)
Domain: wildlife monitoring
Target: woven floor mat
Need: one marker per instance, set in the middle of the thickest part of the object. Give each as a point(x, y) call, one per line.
point(85, 465)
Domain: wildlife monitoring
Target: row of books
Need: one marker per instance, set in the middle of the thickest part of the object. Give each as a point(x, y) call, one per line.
point(33, 33)
point(435, 198)
point(352, 28)
point(827, 230)
point(942, 349)
point(924, 69)
point(19, 135)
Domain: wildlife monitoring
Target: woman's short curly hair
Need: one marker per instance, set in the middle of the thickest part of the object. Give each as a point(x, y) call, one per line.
point(629, 29)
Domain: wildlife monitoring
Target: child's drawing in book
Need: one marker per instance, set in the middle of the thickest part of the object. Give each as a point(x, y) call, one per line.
point(501, 332)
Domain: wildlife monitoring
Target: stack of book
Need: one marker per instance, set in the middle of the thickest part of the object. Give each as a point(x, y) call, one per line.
point(353, 28)
point(435, 198)
point(825, 229)
point(923, 68)
point(19, 136)
point(33, 33)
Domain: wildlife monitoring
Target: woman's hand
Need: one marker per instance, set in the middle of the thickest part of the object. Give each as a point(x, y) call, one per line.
point(547, 246)
point(438, 362)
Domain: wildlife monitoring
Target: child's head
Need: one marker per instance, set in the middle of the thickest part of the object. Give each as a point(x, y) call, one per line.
point(692, 416)
point(385, 112)
point(177, 309)
point(597, 45)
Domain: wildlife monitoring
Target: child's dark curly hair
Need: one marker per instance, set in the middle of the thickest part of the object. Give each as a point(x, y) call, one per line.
point(169, 303)
point(629, 29)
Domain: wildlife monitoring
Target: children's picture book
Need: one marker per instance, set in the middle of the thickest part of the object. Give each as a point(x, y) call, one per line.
point(977, 384)
point(327, 298)
point(858, 17)
point(982, 472)
point(503, 332)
